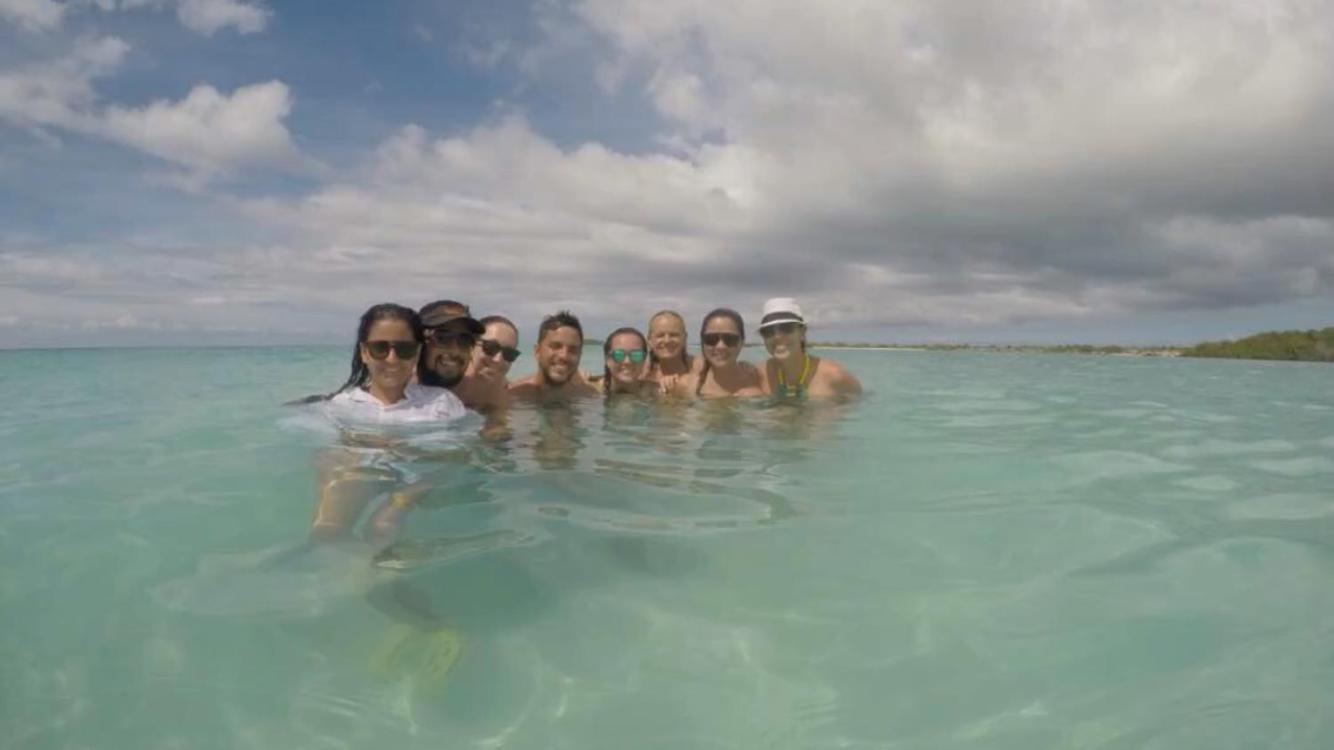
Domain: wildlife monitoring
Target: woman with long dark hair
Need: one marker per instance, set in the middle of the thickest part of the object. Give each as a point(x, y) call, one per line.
point(380, 387)
point(379, 391)
point(722, 335)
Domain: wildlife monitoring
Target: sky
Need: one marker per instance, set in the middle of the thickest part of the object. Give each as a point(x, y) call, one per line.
point(200, 172)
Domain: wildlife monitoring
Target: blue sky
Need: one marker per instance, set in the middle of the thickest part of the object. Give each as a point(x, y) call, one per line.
point(238, 171)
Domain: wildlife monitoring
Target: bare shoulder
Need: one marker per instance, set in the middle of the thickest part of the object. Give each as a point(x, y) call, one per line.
point(753, 373)
point(585, 384)
point(838, 377)
point(525, 386)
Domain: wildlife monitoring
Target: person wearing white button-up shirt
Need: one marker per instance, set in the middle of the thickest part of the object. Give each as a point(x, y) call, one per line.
point(378, 392)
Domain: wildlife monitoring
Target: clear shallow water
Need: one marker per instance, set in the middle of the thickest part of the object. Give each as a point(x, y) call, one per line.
point(989, 551)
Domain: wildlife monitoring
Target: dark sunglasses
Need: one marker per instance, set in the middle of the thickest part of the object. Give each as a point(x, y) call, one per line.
point(444, 337)
point(620, 355)
point(786, 329)
point(403, 349)
point(712, 339)
point(492, 348)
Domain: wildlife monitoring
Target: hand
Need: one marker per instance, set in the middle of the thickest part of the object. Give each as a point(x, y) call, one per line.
point(668, 383)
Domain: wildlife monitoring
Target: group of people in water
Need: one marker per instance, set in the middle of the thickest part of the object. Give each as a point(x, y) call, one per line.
point(439, 363)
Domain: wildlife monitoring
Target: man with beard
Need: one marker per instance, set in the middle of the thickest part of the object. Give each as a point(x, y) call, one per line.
point(560, 342)
point(451, 333)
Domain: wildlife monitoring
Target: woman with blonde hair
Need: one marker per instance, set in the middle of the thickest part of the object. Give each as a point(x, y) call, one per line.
point(667, 342)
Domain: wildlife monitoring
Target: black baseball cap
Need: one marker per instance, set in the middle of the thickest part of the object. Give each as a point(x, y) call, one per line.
point(446, 312)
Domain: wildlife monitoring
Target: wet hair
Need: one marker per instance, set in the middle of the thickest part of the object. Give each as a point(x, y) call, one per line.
point(562, 319)
point(360, 373)
point(488, 320)
point(606, 352)
point(721, 312)
point(686, 359)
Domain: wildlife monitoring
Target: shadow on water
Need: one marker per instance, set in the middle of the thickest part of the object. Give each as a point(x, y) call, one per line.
point(1316, 535)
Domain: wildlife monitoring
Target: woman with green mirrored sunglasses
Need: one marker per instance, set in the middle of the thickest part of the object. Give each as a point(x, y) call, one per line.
point(625, 352)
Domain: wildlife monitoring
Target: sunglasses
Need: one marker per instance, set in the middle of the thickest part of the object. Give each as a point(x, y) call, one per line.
point(492, 348)
point(728, 339)
point(381, 349)
point(620, 355)
point(443, 337)
point(786, 329)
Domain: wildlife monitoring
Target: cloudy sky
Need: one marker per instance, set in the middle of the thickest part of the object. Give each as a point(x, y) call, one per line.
point(228, 171)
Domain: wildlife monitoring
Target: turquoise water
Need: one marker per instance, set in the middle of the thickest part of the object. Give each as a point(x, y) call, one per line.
point(989, 551)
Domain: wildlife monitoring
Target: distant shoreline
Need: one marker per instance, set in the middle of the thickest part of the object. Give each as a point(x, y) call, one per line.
point(1117, 351)
point(1301, 346)
point(1280, 346)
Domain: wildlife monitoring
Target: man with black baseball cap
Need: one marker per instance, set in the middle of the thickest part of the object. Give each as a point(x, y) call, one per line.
point(451, 333)
point(790, 371)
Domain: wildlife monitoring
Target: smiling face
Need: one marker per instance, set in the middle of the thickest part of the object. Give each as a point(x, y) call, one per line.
point(448, 352)
point(721, 341)
point(627, 371)
point(784, 340)
point(666, 336)
point(391, 373)
point(558, 353)
point(494, 366)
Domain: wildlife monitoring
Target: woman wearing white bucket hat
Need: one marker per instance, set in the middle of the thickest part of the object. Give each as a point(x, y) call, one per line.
point(790, 371)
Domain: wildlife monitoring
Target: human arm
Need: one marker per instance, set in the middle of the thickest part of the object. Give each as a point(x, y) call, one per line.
point(842, 382)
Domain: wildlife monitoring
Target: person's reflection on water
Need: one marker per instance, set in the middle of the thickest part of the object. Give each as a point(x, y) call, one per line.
point(796, 423)
point(559, 436)
point(721, 416)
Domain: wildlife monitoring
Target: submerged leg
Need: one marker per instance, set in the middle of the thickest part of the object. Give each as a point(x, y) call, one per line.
point(345, 488)
point(384, 523)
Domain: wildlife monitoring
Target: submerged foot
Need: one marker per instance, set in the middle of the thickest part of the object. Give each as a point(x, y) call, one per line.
point(423, 656)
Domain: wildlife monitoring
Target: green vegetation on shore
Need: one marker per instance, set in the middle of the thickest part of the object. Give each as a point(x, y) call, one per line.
point(1305, 346)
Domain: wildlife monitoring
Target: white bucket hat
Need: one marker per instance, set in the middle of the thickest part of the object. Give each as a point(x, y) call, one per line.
point(781, 310)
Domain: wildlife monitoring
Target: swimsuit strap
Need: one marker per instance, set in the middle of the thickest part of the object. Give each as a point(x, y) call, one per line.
point(800, 387)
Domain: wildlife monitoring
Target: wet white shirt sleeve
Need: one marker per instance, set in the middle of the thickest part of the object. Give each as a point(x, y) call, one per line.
point(420, 403)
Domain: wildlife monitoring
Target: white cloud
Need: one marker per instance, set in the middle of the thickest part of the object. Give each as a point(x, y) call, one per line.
point(33, 15)
point(59, 93)
point(208, 16)
point(38, 270)
point(205, 17)
point(208, 134)
point(906, 164)
point(912, 163)
point(211, 133)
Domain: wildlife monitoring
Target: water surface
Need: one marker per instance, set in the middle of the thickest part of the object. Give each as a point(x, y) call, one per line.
point(989, 551)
